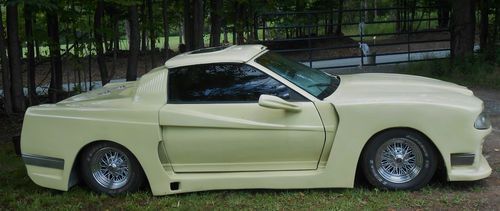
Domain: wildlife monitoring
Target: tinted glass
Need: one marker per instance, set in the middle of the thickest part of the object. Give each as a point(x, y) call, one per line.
point(224, 83)
point(316, 82)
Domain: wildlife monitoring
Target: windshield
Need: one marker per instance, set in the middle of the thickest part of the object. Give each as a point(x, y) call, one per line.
point(313, 81)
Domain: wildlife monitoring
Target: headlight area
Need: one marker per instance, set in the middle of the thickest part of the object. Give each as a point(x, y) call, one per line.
point(482, 122)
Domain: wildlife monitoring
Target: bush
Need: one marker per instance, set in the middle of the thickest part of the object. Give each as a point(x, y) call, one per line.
point(473, 71)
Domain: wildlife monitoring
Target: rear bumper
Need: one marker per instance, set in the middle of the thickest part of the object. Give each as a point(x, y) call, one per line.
point(480, 170)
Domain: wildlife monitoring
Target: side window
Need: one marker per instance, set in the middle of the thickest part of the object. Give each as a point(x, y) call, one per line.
point(224, 83)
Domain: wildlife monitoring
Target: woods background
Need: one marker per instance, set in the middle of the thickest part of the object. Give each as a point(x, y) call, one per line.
point(59, 41)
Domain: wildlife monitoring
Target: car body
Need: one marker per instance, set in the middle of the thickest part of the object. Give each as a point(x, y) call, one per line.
point(189, 139)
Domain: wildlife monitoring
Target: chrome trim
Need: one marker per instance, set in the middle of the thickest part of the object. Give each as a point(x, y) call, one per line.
point(462, 159)
point(399, 160)
point(43, 161)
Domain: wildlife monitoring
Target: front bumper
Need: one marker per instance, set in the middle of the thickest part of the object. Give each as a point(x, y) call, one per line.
point(480, 170)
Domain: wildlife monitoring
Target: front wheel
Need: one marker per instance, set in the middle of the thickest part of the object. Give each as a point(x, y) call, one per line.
point(111, 169)
point(399, 159)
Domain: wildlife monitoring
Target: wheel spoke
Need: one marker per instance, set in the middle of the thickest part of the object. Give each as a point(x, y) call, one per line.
point(110, 168)
point(399, 160)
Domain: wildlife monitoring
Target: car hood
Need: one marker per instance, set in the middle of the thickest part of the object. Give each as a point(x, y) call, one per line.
point(399, 88)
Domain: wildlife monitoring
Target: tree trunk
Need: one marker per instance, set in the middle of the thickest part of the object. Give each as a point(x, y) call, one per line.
point(166, 29)
point(193, 24)
point(338, 30)
point(398, 16)
point(483, 36)
point(225, 39)
point(55, 90)
point(216, 22)
point(152, 37)
point(329, 21)
point(37, 43)
point(30, 45)
point(443, 13)
point(462, 28)
point(98, 36)
point(181, 32)
point(365, 6)
point(116, 41)
point(144, 42)
point(199, 20)
point(7, 96)
point(494, 36)
point(134, 43)
point(238, 26)
point(15, 58)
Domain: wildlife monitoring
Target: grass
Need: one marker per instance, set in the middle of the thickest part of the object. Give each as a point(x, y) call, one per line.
point(473, 71)
point(18, 192)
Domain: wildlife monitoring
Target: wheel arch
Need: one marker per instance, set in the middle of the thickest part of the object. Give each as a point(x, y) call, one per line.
point(441, 166)
point(74, 177)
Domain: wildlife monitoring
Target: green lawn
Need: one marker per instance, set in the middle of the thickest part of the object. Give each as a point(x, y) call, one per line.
point(18, 192)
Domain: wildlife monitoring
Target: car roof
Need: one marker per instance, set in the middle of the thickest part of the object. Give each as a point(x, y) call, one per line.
point(231, 54)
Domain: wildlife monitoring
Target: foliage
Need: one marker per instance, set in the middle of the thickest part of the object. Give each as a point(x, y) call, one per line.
point(473, 71)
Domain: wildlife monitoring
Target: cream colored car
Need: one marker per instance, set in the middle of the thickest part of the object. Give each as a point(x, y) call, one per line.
point(242, 117)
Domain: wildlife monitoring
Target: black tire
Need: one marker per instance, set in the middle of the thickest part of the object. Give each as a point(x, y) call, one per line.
point(387, 160)
point(110, 179)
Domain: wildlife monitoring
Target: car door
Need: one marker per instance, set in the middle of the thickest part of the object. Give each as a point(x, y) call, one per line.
point(213, 122)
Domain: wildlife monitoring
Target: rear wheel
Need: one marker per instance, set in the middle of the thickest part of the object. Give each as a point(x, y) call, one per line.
point(399, 159)
point(111, 169)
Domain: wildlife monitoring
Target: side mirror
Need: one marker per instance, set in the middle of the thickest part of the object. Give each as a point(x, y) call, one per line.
point(273, 102)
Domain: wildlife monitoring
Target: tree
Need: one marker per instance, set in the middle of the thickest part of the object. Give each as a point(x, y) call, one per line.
point(7, 97)
point(115, 20)
point(443, 13)
point(216, 22)
point(484, 29)
point(15, 58)
point(134, 43)
point(98, 35)
point(193, 24)
point(152, 37)
point(462, 28)
point(166, 28)
point(30, 45)
point(239, 20)
point(338, 30)
point(55, 89)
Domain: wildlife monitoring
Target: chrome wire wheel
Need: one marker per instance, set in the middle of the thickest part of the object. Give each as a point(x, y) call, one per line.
point(110, 167)
point(399, 160)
